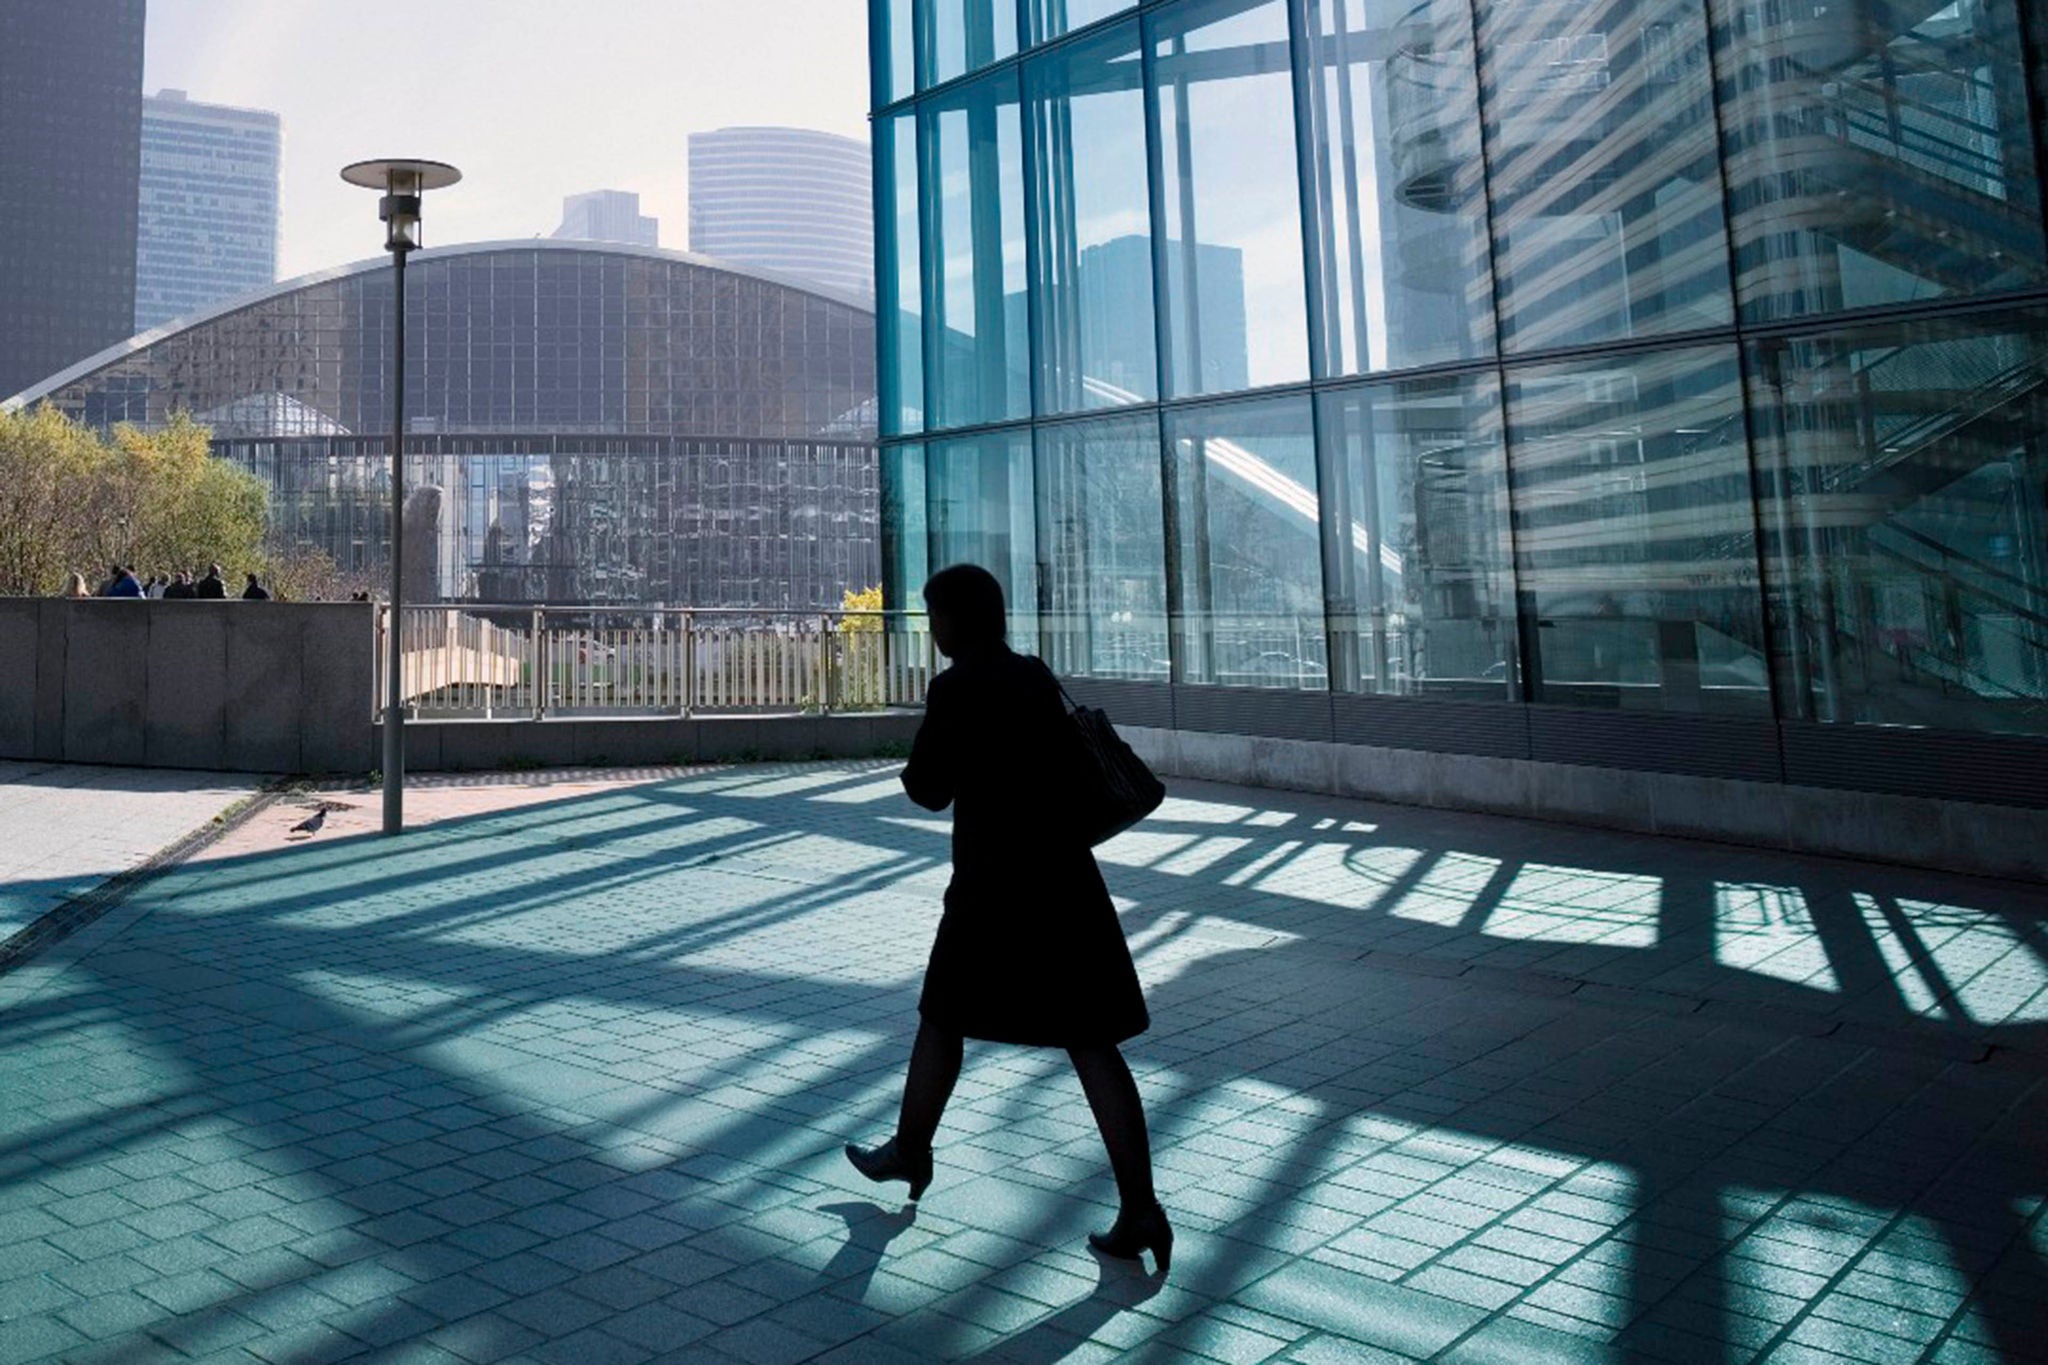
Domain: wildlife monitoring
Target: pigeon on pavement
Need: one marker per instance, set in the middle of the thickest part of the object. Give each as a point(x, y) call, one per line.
point(311, 824)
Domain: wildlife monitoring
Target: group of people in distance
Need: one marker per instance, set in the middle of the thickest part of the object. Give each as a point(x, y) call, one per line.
point(122, 582)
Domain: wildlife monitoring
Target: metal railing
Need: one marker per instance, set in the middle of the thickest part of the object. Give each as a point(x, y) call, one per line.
point(483, 662)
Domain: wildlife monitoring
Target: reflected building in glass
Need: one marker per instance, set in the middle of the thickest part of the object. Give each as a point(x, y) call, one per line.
point(1654, 385)
point(585, 423)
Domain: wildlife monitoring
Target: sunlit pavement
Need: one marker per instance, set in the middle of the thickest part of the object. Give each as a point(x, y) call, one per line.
point(64, 829)
point(564, 1078)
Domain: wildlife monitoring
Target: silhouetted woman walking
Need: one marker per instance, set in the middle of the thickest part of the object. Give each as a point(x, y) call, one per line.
point(1029, 949)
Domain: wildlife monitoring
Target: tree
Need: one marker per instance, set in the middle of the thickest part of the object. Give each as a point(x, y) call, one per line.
point(72, 499)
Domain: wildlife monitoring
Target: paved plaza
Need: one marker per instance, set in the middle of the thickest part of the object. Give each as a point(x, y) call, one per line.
point(562, 1075)
point(66, 829)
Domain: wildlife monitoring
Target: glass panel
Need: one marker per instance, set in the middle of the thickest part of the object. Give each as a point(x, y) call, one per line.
point(1877, 153)
point(1905, 471)
point(981, 513)
point(969, 34)
point(1235, 305)
point(892, 46)
point(1051, 18)
point(1102, 532)
point(1606, 188)
point(1401, 245)
point(1246, 545)
point(906, 533)
point(1416, 529)
point(1635, 534)
point(979, 317)
point(1096, 344)
point(899, 313)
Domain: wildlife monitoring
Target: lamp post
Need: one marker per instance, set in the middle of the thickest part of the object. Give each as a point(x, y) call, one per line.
point(403, 183)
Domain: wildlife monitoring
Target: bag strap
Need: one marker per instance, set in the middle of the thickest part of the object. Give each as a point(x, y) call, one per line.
point(1060, 685)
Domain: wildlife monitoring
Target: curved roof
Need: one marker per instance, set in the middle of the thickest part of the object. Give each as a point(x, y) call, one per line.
point(132, 367)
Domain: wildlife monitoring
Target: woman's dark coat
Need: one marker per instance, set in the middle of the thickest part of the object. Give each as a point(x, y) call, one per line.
point(1029, 949)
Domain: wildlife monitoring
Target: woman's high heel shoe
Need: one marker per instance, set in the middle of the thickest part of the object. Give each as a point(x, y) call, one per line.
point(1133, 1233)
point(887, 1162)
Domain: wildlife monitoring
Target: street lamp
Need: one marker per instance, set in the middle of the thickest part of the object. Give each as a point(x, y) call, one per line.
point(403, 183)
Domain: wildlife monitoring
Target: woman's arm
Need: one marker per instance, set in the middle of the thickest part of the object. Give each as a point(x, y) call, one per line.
point(928, 777)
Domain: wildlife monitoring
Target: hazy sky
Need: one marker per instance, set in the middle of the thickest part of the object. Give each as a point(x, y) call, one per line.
point(532, 99)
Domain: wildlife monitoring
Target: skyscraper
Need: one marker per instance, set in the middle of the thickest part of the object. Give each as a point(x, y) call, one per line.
point(607, 216)
point(785, 199)
point(70, 143)
point(209, 204)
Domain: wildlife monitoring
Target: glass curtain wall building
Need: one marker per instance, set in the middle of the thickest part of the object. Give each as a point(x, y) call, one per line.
point(584, 423)
point(1655, 384)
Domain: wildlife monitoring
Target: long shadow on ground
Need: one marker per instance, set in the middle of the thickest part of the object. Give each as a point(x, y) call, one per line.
point(570, 1080)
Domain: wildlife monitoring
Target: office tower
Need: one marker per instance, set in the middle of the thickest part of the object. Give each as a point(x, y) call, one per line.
point(607, 216)
point(790, 200)
point(70, 145)
point(207, 229)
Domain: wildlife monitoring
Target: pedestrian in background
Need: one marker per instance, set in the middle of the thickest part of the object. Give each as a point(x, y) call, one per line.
point(255, 592)
point(180, 589)
point(210, 588)
point(122, 583)
point(75, 586)
point(1029, 949)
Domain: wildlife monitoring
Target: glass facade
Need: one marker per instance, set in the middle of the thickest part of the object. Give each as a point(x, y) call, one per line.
point(1679, 358)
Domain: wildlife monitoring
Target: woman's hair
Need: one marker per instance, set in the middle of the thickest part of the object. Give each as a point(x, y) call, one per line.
point(971, 598)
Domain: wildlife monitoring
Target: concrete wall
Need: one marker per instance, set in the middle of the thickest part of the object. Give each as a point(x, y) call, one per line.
point(1956, 836)
point(231, 686)
point(272, 687)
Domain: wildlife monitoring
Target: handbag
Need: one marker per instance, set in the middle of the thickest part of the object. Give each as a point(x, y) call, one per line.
point(1118, 790)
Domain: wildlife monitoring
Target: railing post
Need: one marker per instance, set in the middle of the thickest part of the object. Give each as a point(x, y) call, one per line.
point(689, 666)
point(827, 694)
point(540, 663)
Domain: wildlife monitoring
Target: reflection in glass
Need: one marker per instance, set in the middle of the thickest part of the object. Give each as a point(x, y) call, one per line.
point(1101, 526)
point(899, 286)
point(1635, 534)
point(1607, 194)
point(979, 316)
point(968, 35)
point(1235, 306)
point(1246, 546)
point(893, 48)
point(1416, 523)
point(906, 532)
point(617, 519)
point(1097, 346)
point(1051, 18)
point(1401, 245)
point(1905, 473)
point(1877, 153)
point(979, 501)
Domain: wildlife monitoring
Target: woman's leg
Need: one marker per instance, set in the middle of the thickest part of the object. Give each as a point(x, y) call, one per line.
point(1120, 1114)
point(934, 1067)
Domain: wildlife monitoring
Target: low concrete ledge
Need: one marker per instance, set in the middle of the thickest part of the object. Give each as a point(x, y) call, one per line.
point(223, 686)
point(473, 745)
point(1952, 836)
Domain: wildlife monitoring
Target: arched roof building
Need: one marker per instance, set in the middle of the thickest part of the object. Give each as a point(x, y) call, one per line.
point(603, 422)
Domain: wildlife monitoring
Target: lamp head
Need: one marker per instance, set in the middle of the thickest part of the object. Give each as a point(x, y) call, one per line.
point(404, 182)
